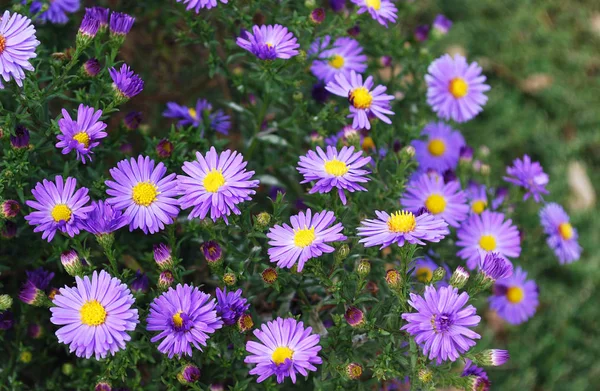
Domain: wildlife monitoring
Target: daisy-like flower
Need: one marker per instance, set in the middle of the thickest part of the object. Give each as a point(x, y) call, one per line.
point(187, 116)
point(441, 150)
point(363, 99)
point(17, 47)
point(341, 57)
point(515, 299)
point(269, 42)
point(341, 170)
point(215, 183)
point(197, 5)
point(401, 227)
point(57, 10)
point(443, 200)
point(59, 207)
point(125, 82)
point(530, 176)
point(486, 233)
point(383, 11)
point(95, 315)
point(478, 198)
point(307, 238)
point(286, 348)
point(185, 316)
point(103, 219)
point(455, 89)
point(441, 325)
point(81, 134)
point(562, 237)
point(144, 192)
point(230, 305)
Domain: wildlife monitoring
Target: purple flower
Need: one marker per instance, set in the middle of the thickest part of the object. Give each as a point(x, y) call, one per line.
point(9, 209)
point(336, 58)
point(471, 369)
point(100, 14)
point(215, 183)
point(364, 100)
point(132, 120)
point(423, 269)
point(21, 137)
point(422, 33)
point(185, 316)
point(285, 349)
point(59, 207)
point(401, 227)
point(81, 135)
point(562, 237)
point(6, 320)
point(383, 11)
point(441, 325)
point(165, 279)
point(354, 316)
point(197, 5)
point(32, 292)
point(95, 315)
point(341, 170)
point(515, 299)
point(189, 374)
point(164, 148)
point(40, 278)
point(144, 192)
point(455, 89)
point(337, 5)
point(162, 256)
point(89, 26)
point(92, 67)
point(230, 305)
point(441, 150)
point(140, 282)
point(103, 219)
point(443, 200)
point(306, 238)
point(120, 23)
point(195, 116)
point(57, 10)
point(530, 176)
point(270, 42)
point(125, 82)
point(486, 233)
point(477, 195)
point(71, 262)
point(317, 16)
point(442, 24)
point(212, 251)
point(495, 267)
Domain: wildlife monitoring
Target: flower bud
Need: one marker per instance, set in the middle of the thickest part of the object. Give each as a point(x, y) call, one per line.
point(354, 316)
point(25, 357)
point(132, 120)
point(229, 279)
point(477, 383)
point(269, 276)
point(67, 369)
point(298, 96)
point(317, 16)
point(103, 385)
point(354, 371)
point(363, 268)
point(262, 220)
point(188, 374)
point(35, 331)
point(409, 151)
point(485, 169)
point(492, 357)
point(493, 266)
point(164, 148)
point(165, 280)
point(162, 256)
point(32, 295)
point(91, 68)
point(71, 262)
point(212, 252)
point(245, 323)
point(466, 154)
point(393, 279)
point(21, 138)
point(10, 209)
point(140, 283)
point(342, 253)
point(5, 302)
point(438, 274)
point(425, 375)
point(459, 278)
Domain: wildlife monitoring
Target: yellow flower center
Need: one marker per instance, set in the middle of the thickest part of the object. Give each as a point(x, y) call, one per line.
point(368, 144)
point(487, 242)
point(213, 181)
point(360, 98)
point(565, 230)
point(336, 167)
point(92, 313)
point(177, 319)
point(478, 206)
point(458, 87)
point(304, 237)
point(435, 203)
point(61, 212)
point(192, 112)
point(82, 138)
point(436, 147)
point(281, 354)
point(375, 4)
point(402, 221)
point(515, 294)
point(424, 274)
point(337, 61)
point(144, 193)
point(2, 43)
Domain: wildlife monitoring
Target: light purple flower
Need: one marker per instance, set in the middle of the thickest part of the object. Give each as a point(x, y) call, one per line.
point(515, 299)
point(495, 267)
point(442, 24)
point(345, 137)
point(478, 198)
point(120, 24)
point(187, 116)
point(144, 192)
point(197, 5)
point(82, 134)
point(441, 150)
point(95, 315)
point(285, 349)
point(269, 42)
point(230, 305)
point(455, 89)
point(341, 170)
point(383, 11)
point(340, 57)
point(57, 10)
point(530, 176)
point(441, 325)
point(125, 82)
point(363, 99)
point(103, 219)
point(562, 237)
point(17, 47)
point(306, 238)
point(423, 269)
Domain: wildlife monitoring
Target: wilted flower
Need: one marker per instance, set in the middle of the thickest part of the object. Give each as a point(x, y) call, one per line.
point(317, 16)
point(245, 323)
point(354, 316)
point(35, 330)
point(164, 148)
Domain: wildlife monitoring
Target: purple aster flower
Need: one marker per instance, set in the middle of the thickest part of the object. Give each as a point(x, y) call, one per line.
point(95, 315)
point(103, 219)
point(562, 237)
point(164, 148)
point(443, 200)
point(189, 374)
point(81, 134)
point(270, 42)
point(423, 269)
point(515, 299)
point(337, 5)
point(485, 233)
point(92, 67)
point(383, 11)
point(441, 325)
point(185, 316)
point(477, 195)
point(494, 267)
point(57, 10)
point(165, 279)
point(317, 16)
point(58, 207)
point(187, 116)
point(21, 137)
point(354, 316)
point(471, 369)
point(306, 238)
point(17, 47)
point(442, 24)
point(341, 170)
point(162, 256)
point(71, 262)
point(493, 357)
point(125, 82)
point(88, 28)
point(9, 209)
point(336, 58)
point(144, 192)
point(6, 320)
point(212, 251)
point(364, 100)
point(422, 33)
point(441, 150)
point(217, 183)
point(100, 14)
point(132, 120)
point(197, 5)
point(140, 282)
point(401, 227)
point(120, 23)
point(103, 386)
point(230, 305)
point(285, 349)
point(530, 176)
point(455, 88)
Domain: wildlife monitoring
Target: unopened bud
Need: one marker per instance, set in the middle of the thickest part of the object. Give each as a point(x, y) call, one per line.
point(165, 280)
point(393, 279)
point(5, 302)
point(162, 256)
point(354, 316)
point(269, 276)
point(71, 262)
point(189, 374)
point(229, 279)
point(354, 371)
point(363, 268)
point(492, 357)
point(438, 274)
point(459, 278)
point(342, 253)
point(425, 375)
point(409, 151)
point(245, 323)
point(262, 220)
